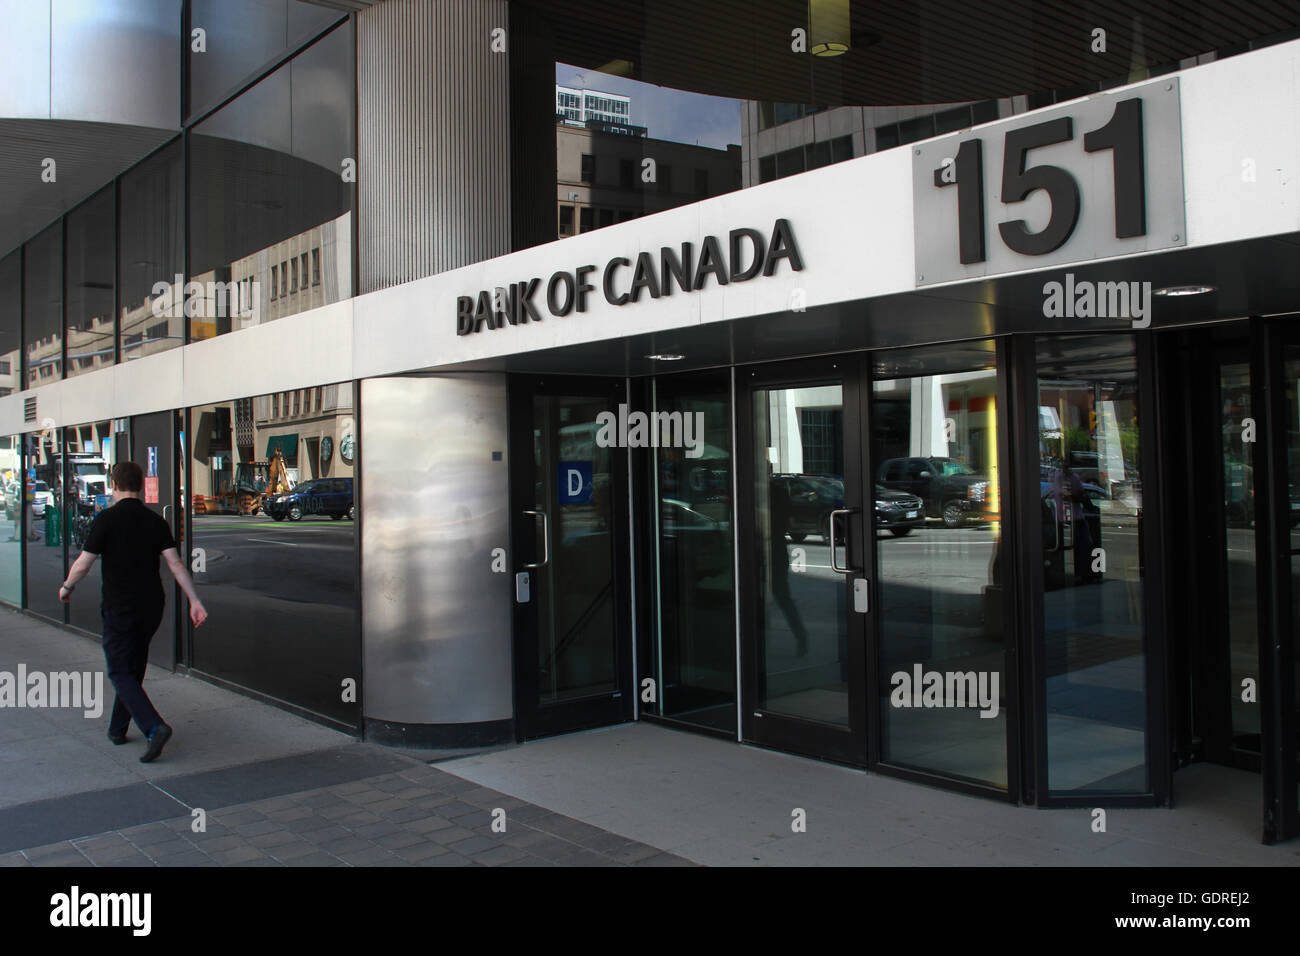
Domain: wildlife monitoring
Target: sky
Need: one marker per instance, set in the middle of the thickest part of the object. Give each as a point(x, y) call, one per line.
point(694, 118)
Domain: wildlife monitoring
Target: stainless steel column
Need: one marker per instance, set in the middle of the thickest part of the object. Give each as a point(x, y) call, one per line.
point(436, 619)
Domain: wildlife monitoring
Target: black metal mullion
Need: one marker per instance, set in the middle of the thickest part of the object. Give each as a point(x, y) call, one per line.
point(1151, 575)
point(1024, 425)
point(1008, 560)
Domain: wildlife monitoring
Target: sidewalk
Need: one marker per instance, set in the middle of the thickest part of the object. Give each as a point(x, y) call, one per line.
point(275, 789)
point(279, 790)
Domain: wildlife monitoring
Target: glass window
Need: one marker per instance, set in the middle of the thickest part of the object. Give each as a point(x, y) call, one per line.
point(88, 320)
point(304, 597)
point(293, 284)
point(91, 451)
point(43, 306)
point(938, 533)
point(584, 218)
point(11, 539)
point(695, 663)
point(266, 181)
point(45, 569)
point(566, 220)
point(242, 37)
point(315, 266)
point(1090, 515)
point(150, 237)
point(11, 323)
point(275, 279)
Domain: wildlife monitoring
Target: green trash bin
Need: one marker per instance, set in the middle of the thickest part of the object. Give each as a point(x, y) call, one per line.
point(53, 536)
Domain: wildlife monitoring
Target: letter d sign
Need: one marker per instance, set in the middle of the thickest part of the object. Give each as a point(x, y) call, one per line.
point(574, 481)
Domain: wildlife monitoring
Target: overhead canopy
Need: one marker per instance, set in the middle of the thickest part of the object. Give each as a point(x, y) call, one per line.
point(288, 445)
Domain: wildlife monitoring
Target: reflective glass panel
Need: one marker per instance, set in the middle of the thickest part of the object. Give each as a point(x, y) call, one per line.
point(1090, 526)
point(799, 469)
point(938, 529)
point(695, 659)
point(273, 518)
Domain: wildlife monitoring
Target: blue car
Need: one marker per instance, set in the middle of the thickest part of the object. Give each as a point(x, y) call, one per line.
point(320, 496)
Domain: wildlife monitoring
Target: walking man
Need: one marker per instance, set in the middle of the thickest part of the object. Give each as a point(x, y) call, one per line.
point(130, 538)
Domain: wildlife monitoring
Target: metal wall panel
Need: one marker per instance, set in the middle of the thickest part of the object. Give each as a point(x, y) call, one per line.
point(436, 619)
point(433, 167)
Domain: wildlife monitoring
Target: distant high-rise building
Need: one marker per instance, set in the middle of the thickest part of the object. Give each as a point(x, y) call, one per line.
point(581, 106)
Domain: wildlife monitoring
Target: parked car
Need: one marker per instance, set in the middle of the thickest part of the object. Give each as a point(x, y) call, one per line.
point(951, 489)
point(692, 538)
point(41, 498)
point(319, 496)
point(898, 512)
point(811, 499)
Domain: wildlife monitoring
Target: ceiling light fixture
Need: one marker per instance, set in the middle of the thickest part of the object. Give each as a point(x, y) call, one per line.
point(829, 32)
point(666, 356)
point(1177, 290)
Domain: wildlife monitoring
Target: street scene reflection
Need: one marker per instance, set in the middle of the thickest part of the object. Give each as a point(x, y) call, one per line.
point(274, 557)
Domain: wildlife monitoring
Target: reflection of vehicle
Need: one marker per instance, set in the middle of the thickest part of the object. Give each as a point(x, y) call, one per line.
point(41, 498)
point(950, 489)
point(89, 487)
point(320, 496)
point(811, 500)
point(898, 512)
point(691, 536)
point(254, 482)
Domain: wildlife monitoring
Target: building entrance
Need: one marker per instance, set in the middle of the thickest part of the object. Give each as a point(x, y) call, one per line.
point(569, 528)
point(873, 616)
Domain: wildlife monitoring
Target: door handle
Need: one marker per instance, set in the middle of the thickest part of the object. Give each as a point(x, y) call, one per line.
point(831, 529)
point(546, 540)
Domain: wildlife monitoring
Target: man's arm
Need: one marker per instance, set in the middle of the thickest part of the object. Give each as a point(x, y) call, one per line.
point(198, 614)
point(80, 568)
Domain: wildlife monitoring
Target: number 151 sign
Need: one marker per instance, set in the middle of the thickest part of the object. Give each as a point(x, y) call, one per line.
point(1091, 179)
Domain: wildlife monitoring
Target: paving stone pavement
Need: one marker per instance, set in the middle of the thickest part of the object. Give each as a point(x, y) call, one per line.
point(420, 816)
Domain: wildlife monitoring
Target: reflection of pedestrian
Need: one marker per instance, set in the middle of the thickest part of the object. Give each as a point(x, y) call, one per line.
point(1072, 500)
point(130, 538)
point(779, 524)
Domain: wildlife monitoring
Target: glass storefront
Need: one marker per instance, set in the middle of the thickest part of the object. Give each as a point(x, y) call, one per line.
point(89, 324)
point(1090, 532)
point(274, 550)
point(270, 196)
point(939, 533)
point(695, 648)
point(151, 250)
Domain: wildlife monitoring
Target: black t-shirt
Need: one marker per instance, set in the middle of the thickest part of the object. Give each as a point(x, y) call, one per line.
point(130, 537)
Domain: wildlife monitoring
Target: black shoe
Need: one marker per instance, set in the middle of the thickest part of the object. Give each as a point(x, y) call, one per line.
point(118, 739)
point(157, 740)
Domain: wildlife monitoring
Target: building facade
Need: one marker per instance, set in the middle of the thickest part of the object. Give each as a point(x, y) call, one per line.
point(928, 411)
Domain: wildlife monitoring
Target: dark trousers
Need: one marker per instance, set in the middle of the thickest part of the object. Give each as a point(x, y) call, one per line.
point(126, 649)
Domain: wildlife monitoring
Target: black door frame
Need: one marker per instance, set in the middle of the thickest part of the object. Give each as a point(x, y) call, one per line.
point(780, 732)
point(1281, 811)
point(532, 720)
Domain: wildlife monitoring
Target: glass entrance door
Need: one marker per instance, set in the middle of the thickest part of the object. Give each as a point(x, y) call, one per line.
point(1096, 673)
point(805, 589)
point(569, 491)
